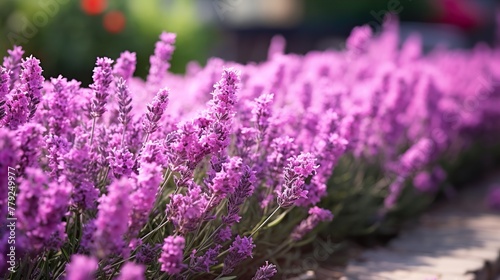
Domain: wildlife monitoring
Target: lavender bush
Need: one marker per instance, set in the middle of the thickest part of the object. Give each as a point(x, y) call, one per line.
point(218, 173)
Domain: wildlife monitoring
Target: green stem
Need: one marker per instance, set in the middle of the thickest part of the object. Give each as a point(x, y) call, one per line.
point(265, 221)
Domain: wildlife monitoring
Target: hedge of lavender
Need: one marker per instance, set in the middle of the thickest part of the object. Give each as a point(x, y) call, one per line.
point(218, 173)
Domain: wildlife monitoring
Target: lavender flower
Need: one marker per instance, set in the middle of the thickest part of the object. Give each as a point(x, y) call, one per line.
point(316, 215)
point(125, 65)
point(172, 255)
point(205, 261)
point(224, 234)
point(81, 268)
point(298, 170)
point(13, 64)
point(102, 81)
point(244, 190)
point(261, 111)
point(124, 101)
point(31, 83)
point(111, 222)
point(221, 111)
point(155, 111)
point(132, 271)
point(160, 60)
point(87, 239)
point(16, 109)
point(4, 89)
point(30, 138)
point(265, 272)
point(228, 178)
point(9, 157)
point(240, 250)
point(187, 211)
point(147, 253)
point(144, 194)
point(41, 208)
point(428, 181)
point(416, 157)
point(359, 38)
point(121, 162)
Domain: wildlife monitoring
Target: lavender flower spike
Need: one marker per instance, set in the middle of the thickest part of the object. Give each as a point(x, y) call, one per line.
point(102, 80)
point(112, 218)
point(81, 268)
point(241, 249)
point(172, 255)
point(32, 82)
point(316, 215)
point(155, 111)
point(265, 272)
point(160, 60)
point(4, 89)
point(132, 271)
point(125, 65)
point(299, 169)
point(13, 63)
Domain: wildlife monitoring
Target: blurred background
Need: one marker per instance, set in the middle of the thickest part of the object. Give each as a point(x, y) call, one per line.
point(67, 35)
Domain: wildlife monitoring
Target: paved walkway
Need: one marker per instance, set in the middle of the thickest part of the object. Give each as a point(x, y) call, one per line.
point(459, 240)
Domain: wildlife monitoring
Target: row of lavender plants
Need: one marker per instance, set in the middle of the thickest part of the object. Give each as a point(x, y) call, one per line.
point(218, 173)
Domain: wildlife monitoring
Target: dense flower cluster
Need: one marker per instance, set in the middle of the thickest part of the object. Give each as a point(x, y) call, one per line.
point(188, 175)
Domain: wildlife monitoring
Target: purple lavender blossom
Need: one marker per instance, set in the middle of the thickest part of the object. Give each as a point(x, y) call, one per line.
point(16, 109)
point(31, 83)
point(121, 162)
point(102, 82)
point(429, 181)
point(224, 234)
point(244, 190)
point(155, 110)
point(124, 101)
point(172, 255)
point(13, 64)
point(205, 261)
point(187, 211)
point(416, 157)
point(261, 112)
point(132, 271)
point(4, 89)
point(87, 239)
point(359, 38)
point(221, 111)
point(125, 65)
point(81, 268)
point(58, 108)
point(265, 272)
point(112, 219)
point(42, 206)
point(160, 60)
point(316, 215)
point(240, 249)
point(299, 169)
point(9, 157)
point(147, 253)
point(226, 181)
point(143, 196)
point(30, 138)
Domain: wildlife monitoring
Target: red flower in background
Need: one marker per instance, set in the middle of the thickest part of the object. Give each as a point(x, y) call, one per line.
point(114, 22)
point(93, 7)
point(463, 13)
